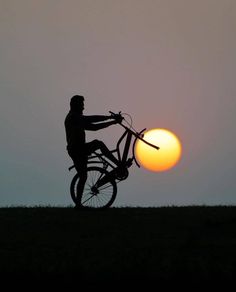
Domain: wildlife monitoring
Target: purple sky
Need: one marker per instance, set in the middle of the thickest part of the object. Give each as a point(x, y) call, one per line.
point(169, 63)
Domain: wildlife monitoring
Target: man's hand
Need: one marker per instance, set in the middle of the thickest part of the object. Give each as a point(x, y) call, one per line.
point(117, 117)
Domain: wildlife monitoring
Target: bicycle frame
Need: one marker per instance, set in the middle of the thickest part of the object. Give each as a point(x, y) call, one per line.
point(129, 135)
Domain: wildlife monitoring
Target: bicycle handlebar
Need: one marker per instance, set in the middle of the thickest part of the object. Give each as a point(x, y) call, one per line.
point(136, 134)
point(113, 114)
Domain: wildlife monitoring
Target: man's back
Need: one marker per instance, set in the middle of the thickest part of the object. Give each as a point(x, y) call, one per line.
point(75, 132)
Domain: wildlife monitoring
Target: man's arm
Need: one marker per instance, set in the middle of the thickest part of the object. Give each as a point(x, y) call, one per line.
point(92, 122)
point(96, 118)
point(99, 126)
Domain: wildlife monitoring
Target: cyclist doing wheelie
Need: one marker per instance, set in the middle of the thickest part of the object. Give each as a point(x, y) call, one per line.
point(78, 149)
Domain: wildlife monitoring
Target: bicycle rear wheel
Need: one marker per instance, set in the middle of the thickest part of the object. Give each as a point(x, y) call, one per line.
point(94, 196)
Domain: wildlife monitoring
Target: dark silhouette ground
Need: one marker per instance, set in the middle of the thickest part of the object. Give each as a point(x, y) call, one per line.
point(119, 244)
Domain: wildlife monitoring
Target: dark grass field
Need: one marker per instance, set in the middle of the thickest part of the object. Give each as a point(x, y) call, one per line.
point(131, 244)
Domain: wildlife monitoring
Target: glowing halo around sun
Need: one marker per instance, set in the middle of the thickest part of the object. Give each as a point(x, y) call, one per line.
point(158, 160)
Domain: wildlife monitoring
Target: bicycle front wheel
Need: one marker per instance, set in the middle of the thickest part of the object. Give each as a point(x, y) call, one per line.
point(94, 195)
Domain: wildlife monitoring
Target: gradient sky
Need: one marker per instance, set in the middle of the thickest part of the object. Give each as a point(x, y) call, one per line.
point(169, 63)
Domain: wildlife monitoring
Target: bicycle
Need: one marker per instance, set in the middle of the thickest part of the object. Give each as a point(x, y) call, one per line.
point(100, 189)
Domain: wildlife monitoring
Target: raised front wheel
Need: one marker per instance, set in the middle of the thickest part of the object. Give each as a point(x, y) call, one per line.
point(94, 195)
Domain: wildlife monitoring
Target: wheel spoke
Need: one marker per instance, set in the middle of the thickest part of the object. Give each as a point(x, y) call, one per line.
point(92, 195)
point(95, 197)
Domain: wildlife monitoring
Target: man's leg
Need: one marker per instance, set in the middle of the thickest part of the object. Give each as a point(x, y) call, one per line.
point(79, 158)
point(97, 144)
point(82, 180)
point(81, 167)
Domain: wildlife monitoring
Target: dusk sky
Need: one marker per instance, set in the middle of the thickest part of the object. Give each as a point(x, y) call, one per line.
point(168, 63)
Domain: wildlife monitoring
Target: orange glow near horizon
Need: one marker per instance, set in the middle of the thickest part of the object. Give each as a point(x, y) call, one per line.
point(158, 160)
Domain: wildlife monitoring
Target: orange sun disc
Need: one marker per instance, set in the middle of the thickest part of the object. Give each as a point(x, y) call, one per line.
point(158, 160)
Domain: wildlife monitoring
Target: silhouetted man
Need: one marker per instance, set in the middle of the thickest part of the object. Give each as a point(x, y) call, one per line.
point(75, 125)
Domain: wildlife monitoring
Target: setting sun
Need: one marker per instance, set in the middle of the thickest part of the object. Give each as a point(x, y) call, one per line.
point(158, 160)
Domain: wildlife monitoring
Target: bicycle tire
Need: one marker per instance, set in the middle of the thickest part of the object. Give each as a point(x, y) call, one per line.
point(105, 195)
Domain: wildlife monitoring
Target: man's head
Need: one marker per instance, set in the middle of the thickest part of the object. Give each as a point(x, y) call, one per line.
point(77, 103)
